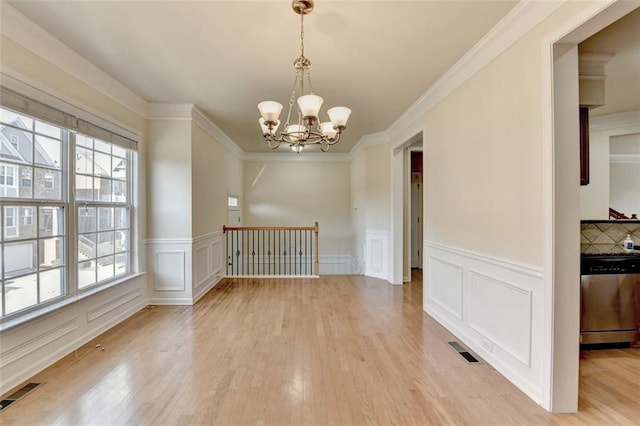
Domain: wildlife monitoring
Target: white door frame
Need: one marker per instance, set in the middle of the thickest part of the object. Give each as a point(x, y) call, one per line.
point(561, 338)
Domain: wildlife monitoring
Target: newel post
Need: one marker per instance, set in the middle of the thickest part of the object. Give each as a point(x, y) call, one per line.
point(316, 266)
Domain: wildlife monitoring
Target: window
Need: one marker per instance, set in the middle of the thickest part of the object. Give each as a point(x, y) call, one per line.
point(10, 227)
point(48, 182)
point(14, 140)
point(8, 187)
point(233, 202)
point(42, 261)
point(27, 216)
point(102, 182)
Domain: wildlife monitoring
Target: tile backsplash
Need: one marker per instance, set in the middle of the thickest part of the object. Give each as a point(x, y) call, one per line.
point(607, 236)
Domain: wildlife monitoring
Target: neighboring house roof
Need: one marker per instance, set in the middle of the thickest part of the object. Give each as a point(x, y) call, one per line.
point(7, 151)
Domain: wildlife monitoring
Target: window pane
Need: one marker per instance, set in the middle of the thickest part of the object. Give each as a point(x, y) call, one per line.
point(21, 293)
point(102, 146)
point(119, 152)
point(86, 273)
point(105, 216)
point(119, 191)
point(51, 284)
point(12, 226)
point(86, 219)
point(85, 141)
point(84, 188)
point(105, 243)
point(25, 184)
point(48, 184)
point(122, 241)
point(119, 168)
point(121, 218)
point(102, 164)
point(51, 253)
point(48, 152)
point(103, 189)
point(87, 246)
point(122, 263)
point(8, 180)
point(105, 268)
point(26, 221)
point(19, 258)
point(48, 129)
point(15, 119)
point(51, 221)
point(84, 161)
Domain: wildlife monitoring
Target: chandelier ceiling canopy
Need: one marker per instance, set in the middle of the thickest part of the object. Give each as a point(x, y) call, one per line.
point(304, 127)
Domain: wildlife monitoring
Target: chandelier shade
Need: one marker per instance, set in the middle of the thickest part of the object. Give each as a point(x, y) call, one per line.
point(302, 126)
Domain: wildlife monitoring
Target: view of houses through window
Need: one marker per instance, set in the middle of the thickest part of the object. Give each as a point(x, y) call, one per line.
point(50, 177)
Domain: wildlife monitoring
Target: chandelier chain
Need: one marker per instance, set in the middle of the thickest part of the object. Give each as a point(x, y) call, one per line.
point(302, 34)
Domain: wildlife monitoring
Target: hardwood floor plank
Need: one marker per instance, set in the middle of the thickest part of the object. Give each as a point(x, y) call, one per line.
point(345, 350)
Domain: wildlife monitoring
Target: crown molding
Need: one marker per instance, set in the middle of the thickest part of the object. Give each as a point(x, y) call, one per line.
point(22, 30)
point(612, 121)
point(518, 22)
point(366, 141)
point(216, 132)
point(191, 112)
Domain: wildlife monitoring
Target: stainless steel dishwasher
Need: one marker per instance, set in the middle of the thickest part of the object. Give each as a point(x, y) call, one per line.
point(610, 299)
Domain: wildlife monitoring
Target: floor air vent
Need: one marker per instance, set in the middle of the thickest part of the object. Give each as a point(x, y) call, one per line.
point(464, 352)
point(17, 395)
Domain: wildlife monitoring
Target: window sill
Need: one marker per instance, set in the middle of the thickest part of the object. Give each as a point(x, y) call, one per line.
point(68, 300)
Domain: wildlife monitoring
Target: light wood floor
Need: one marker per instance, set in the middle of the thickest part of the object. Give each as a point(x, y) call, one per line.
point(330, 351)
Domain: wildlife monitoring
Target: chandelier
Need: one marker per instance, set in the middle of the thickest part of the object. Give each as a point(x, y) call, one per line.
point(302, 131)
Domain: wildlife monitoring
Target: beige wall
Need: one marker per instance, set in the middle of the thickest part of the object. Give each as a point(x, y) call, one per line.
point(169, 179)
point(358, 210)
point(299, 193)
point(378, 188)
point(215, 172)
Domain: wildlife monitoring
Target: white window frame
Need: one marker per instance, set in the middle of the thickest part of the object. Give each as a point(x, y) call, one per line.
point(11, 230)
point(67, 202)
point(27, 218)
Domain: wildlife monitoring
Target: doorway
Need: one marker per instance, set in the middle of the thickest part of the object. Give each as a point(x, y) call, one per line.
point(562, 239)
point(416, 209)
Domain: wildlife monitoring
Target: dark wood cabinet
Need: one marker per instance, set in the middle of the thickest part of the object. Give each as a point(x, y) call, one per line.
point(584, 146)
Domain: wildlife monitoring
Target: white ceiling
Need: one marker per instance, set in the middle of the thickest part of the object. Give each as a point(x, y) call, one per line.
point(377, 57)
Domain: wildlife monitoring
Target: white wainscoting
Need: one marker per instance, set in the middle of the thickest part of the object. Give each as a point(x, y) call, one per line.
point(170, 280)
point(207, 263)
point(34, 345)
point(377, 254)
point(492, 305)
point(184, 269)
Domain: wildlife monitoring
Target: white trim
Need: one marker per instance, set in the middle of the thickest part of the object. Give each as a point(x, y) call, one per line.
point(31, 36)
point(625, 158)
point(215, 132)
point(191, 112)
point(518, 267)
